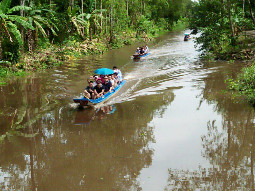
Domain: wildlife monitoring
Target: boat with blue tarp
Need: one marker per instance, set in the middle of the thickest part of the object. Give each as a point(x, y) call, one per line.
point(140, 56)
point(186, 37)
point(83, 101)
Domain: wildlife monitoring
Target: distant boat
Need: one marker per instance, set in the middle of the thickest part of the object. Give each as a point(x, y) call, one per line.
point(186, 37)
point(137, 56)
point(83, 101)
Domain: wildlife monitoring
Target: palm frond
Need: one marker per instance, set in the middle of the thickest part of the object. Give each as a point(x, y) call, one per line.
point(48, 23)
point(15, 32)
point(40, 28)
point(76, 24)
point(7, 31)
point(83, 15)
point(22, 21)
point(18, 8)
point(3, 16)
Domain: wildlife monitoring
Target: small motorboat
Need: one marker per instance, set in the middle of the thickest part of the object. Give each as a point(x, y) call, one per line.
point(83, 101)
point(186, 37)
point(138, 56)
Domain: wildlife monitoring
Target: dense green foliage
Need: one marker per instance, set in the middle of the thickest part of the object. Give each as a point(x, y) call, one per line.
point(222, 24)
point(245, 83)
point(30, 25)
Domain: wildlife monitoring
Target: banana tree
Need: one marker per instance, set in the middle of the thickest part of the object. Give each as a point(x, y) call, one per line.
point(9, 22)
point(78, 21)
point(40, 23)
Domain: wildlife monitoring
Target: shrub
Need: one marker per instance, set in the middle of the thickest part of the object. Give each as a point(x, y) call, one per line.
point(245, 83)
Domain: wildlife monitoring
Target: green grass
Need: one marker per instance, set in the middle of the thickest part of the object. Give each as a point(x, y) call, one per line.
point(6, 74)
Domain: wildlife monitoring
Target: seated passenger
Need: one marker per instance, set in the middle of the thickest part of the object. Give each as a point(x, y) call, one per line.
point(142, 51)
point(89, 91)
point(115, 76)
point(111, 80)
point(102, 78)
point(98, 90)
point(107, 85)
point(137, 52)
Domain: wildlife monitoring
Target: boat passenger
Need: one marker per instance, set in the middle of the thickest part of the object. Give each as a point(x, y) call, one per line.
point(115, 76)
point(98, 90)
point(137, 52)
point(146, 48)
point(119, 74)
point(111, 80)
point(89, 91)
point(141, 51)
point(107, 85)
point(102, 78)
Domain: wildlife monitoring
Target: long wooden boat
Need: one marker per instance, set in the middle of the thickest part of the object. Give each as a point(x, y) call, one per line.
point(137, 56)
point(83, 101)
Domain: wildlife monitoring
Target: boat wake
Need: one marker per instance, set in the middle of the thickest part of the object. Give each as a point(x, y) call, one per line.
point(168, 66)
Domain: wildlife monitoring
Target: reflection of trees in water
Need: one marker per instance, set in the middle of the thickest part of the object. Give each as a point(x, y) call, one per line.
point(228, 146)
point(104, 155)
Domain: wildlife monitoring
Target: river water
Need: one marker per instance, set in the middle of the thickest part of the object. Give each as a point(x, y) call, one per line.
point(171, 127)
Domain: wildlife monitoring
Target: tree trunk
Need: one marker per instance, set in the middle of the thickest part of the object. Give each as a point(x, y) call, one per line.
point(252, 16)
point(127, 8)
point(101, 14)
point(35, 38)
point(106, 23)
point(22, 3)
point(90, 32)
point(111, 25)
point(1, 39)
point(30, 40)
point(230, 18)
point(243, 8)
point(83, 30)
point(95, 4)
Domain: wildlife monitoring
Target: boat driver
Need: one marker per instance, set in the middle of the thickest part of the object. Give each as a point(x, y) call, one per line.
point(119, 74)
point(98, 90)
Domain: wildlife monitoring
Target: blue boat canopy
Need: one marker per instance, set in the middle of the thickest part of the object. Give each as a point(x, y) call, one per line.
point(104, 71)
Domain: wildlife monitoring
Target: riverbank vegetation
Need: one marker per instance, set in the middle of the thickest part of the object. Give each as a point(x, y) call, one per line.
point(43, 33)
point(244, 84)
point(224, 26)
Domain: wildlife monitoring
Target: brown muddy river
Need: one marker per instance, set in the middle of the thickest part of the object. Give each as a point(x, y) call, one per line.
point(171, 127)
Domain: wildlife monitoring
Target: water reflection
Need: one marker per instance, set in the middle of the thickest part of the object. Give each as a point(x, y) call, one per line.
point(228, 145)
point(107, 153)
point(84, 117)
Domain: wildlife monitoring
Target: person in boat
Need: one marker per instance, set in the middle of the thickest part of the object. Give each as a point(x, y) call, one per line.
point(146, 49)
point(115, 76)
point(186, 37)
point(119, 74)
point(142, 51)
point(137, 52)
point(111, 79)
point(107, 85)
point(114, 81)
point(98, 90)
point(89, 91)
point(96, 78)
